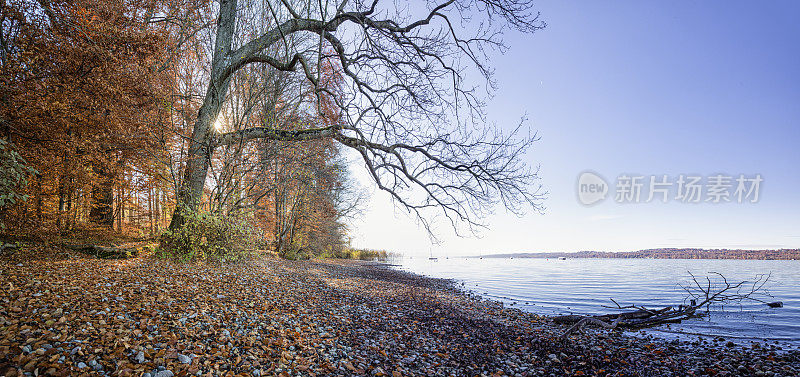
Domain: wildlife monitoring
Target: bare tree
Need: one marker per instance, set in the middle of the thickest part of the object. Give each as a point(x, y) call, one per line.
point(406, 105)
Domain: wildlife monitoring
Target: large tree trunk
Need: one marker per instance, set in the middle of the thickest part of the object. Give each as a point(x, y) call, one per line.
point(102, 212)
point(201, 146)
point(102, 209)
point(62, 202)
point(39, 195)
point(201, 149)
point(120, 205)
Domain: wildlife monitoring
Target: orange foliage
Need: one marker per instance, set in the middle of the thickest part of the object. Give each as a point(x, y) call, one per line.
point(80, 97)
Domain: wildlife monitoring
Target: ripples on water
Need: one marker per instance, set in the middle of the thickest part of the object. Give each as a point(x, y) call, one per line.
point(584, 286)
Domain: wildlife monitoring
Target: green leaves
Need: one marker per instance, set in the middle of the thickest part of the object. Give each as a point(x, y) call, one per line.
point(14, 172)
point(206, 235)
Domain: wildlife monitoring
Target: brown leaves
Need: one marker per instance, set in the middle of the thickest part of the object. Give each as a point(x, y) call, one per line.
point(95, 312)
point(150, 313)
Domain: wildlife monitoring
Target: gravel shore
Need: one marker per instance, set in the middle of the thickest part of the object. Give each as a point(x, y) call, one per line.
point(144, 317)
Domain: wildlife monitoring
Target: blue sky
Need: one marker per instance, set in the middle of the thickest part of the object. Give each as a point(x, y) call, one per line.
point(650, 88)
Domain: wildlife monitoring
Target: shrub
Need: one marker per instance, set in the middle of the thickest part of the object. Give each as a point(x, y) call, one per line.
point(209, 236)
point(294, 253)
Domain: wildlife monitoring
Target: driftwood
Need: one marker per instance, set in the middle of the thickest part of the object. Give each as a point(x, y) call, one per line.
point(7, 246)
point(700, 295)
point(106, 252)
point(630, 320)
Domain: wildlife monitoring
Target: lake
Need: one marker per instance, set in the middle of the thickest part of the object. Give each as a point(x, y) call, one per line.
point(584, 286)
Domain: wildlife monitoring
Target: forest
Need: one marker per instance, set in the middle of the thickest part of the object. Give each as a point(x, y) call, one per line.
point(221, 127)
point(98, 101)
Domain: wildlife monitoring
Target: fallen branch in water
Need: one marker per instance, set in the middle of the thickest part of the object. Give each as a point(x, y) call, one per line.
point(730, 292)
point(707, 294)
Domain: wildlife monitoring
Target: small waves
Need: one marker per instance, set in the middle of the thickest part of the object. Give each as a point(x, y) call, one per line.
point(587, 286)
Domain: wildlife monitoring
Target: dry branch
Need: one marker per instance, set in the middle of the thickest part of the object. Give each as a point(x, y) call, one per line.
point(106, 252)
point(699, 295)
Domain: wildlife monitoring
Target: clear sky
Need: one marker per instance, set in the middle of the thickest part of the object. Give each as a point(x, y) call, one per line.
point(640, 87)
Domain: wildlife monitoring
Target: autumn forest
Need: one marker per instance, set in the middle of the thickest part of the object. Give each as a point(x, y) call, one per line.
point(99, 99)
point(214, 126)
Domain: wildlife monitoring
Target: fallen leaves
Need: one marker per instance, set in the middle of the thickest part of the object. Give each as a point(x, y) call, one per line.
point(94, 317)
point(273, 317)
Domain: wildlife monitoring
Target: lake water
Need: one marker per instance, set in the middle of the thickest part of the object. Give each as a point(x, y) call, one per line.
point(584, 286)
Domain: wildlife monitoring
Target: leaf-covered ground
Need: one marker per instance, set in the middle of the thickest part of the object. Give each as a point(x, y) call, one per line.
point(64, 314)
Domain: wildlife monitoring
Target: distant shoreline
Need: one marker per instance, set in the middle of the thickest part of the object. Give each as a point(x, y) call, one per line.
point(666, 253)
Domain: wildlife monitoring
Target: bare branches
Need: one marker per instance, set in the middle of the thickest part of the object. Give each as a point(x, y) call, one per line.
point(723, 291)
point(457, 177)
point(404, 97)
point(701, 294)
point(275, 134)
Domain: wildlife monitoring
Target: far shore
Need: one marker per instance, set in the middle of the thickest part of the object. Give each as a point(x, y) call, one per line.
point(664, 253)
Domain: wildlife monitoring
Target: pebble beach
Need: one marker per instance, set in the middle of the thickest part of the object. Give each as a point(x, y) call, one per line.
point(65, 314)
